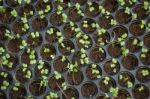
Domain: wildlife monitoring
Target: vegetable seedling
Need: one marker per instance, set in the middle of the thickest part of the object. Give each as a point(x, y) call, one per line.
point(14, 13)
point(114, 91)
point(106, 80)
point(52, 95)
point(57, 75)
point(145, 72)
point(144, 52)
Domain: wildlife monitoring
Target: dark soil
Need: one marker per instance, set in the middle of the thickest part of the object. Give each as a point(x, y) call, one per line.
point(26, 10)
point(142, 77)
point(17, 28)
point(94, 12)
point(97, 54)
point(19, 94)
point(105, 21)
point(123, 94)
point(36, 89)
point(146, 60)
point(3, 29)
point(90, 74)
point(55, 84)
point(73, 14)
point(106, 86)
point(111, 70)
point(133, 47)
point(114, 49)
point(6, 16)
point(69, 31)
point(70, 92)
point(89, 28)
point(147, 40)
point(101, 39)
point(89, 89)
point(82, 2)
point(110, 5)
point(119, 31)
point(139, 92)
point(66, 46)
point(75, 78)
point(130, 62)
point(122, 17)
point(56, 19)
point(135, 28)
point(14, 42)
point(39, 24)
point(140, 11)
point(60, 65)
point(52, 37)
point(47, 55)
point(34, 42)
point(125, 78)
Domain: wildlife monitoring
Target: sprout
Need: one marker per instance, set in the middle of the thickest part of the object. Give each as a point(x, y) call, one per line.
point(121, 2)
point(145, 72)
point(63, 58)
point(4, 85)
point(125, 51)
point(73, 67)
point(26, 71)
point(2, 50)
point(64, 17)
point(23, 45)
point(15, 88)
point(134, 16)
point(77, 6)
point(3, 74)
point(48, 8)
point(141, 88)
point(52, 95)
point(95, 72)
point(113, 22)
point(114, 91)
point(146, 5)
point(142, 24)
point(129, 84)
point(127, 10)
point(2, 9)
point(6, 61)
point(144, 51)
point(135, 41)
point(14, 13)
point(91, 9)
point(106, 79)
point(46, 50)
point(120, 77)
point(35, 34)
point(43, 82)
point(57, 75)
point(64, 85)
point(45, 1)
point(85, 25)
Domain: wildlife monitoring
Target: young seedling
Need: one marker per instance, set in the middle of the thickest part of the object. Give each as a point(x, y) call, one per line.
point(23, 45)
point(95, 72)
point(125, 51)
point(142, 24)
point(8, 34)
point(32, 56)
point(144, 52)
point(4, 74)
point(145, 72)
point(121, 2)
point(15, 87)
point(73, 67)
point(43, 71)
point(85, 25)
point(14, 13)
point(113, 22)
point(141, 88)
point(4, 85)
point(129, 84)
point(2, 9)
point(46, 50)
point(103, 11)
point(91, 8)
point(127, 10)
point(2, 50)
point(35, 34)
point(134, 16)
point(52, 95)
point(26, 71)
point(106, 80)
point(84, 58)
point(6, 62)
point(136, 42)
point(114, 91)
point(146, 5)
point(80, 12)
point(84, 40)
point(57, 75)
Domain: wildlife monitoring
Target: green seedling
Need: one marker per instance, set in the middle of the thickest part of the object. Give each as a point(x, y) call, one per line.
point(144, 52)
point(142, 25)
point(145, 72)
point(32, 56)
point(141, 88)
point(113, 22)
point(134, 16)
point(125, 51)
point(121, 2)
point(146, 5)
point(57, 75)
point(95, 71)
point(2, 50)
point(127, 10)
point(4, 74)
point(23, 45)
point(129, 84)
point(73, 67)
point(106, 80)
point(4, 85)
point(8, 34)
point(64, 86)
point(84, 58)
point(15, 88)
point(6, 61)
point(52, 95)
point(35, 34)
point(14, 13)
point(114, 91)
point(2, 9)
point(26, 71)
